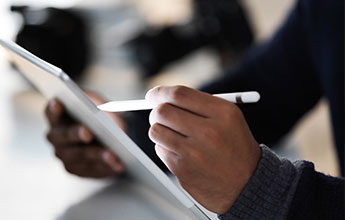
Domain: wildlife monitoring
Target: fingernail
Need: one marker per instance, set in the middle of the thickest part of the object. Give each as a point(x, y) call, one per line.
point(111, 161)
point(148, 93)
point(84, 134)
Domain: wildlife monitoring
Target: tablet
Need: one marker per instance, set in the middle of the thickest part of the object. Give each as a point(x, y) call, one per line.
point(52, 82)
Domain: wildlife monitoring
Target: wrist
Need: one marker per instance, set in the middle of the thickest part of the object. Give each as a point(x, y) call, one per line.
point(268, 190)
point(237, 183)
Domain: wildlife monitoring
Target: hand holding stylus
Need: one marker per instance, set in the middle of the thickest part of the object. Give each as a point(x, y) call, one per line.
point(205, 141)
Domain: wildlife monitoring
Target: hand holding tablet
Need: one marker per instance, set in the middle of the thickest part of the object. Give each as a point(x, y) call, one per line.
point(76, 146)
point(53, 83)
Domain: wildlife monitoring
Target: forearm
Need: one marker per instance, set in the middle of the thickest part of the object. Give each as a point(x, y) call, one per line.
point(280, 189)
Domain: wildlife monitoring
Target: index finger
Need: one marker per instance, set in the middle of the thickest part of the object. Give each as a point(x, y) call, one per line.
point(189, 99)
point(54, 112)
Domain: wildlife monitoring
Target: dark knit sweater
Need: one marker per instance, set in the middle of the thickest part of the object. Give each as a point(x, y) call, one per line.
point(303, 62)
point(280, 189)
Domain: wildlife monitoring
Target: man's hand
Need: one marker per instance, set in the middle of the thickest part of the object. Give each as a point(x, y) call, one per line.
point(77, 147)
point(205, 142)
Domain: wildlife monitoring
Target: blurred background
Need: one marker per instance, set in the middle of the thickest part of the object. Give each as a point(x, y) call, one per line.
point(121, 48)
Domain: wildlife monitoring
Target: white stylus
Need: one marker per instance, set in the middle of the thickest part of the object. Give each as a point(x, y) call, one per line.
point(142, 104)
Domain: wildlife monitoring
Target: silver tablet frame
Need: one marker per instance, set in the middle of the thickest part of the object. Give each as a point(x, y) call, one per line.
point(52, 82)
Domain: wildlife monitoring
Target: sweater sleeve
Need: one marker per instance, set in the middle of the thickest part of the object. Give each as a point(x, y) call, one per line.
point(280, 189)
point(280, 69)
point(283, 72)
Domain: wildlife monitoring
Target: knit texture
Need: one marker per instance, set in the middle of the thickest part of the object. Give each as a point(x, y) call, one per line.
point(318, 196)
point(269, 192)
point(280, 189)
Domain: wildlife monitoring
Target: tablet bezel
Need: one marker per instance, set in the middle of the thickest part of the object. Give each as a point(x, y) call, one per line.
point(52, 82)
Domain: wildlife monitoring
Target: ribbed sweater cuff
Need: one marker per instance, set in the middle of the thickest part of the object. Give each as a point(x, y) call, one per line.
point(269, 192)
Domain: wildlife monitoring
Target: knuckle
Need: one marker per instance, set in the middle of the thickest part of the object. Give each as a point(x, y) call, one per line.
point(50, 136)
point(69, 168)
point(92, 153)
point(211, 133)
point(178, 92)
point(154, 131)
point(163, 110)
point(79, 170)
point(230, 111)
point(58, 154)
